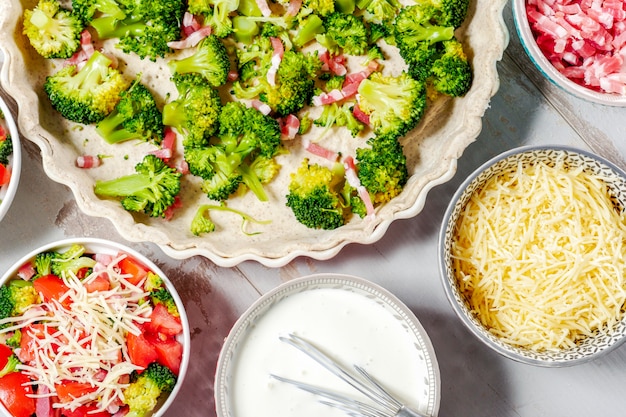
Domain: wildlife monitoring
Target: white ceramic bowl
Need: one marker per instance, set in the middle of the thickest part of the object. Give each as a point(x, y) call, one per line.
point(95, 245)
point(432, 151)
point(352, 320)
point(585, 349)
point(527, 39)
point(7, 192)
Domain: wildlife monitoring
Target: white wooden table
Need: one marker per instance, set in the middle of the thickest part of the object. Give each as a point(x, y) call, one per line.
point(475, 381)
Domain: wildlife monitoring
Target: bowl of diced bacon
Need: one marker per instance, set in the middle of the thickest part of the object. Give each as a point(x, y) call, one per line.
point(90, 327)
point(579, 45)
point(10, 158)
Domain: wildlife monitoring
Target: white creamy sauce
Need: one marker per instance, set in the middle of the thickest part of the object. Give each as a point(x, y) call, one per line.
point(351, 328)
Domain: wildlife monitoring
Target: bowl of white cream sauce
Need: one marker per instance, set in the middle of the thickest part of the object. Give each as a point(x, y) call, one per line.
point(353, 320)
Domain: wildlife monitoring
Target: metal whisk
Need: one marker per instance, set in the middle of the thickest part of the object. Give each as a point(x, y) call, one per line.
point(387, 405)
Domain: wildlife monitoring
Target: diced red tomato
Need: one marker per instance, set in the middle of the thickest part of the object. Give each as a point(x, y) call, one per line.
point(50, 287)
point(3, 133)
point(162, 322)
point(136, 271)
point(5, 353)
point(169, 351)
point(27, 342)
point(99, 283)
point(5, 174)
point(67, 391)
point(14, 394)
point(141, 351)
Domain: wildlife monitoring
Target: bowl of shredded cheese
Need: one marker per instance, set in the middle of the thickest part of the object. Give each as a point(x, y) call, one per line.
point(90, 327)
point(532, 254)
point(577, 45)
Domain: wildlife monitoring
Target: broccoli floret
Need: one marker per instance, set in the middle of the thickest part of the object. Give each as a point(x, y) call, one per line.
point(136, 116)
point(210, 59)
point(147, 387)
point(201, 222)
point(348, 31)
point(16, 296)
point(245, 134)
point(379, 11)
point(294, 84)
point(395, 105)
point(52, 30)
point(382, 168)
point(10, 366)
point(15, 339)
point(195, 113)
point(87, 9)
point(248, 132)
point(147, 28)
point(420, 59)
point(451, 73)
point(6, 150)
point(59, 264)
point(163, 296)
point(89, 94)
point(222, 185)
point(152, 189)
point(315, 196)
point(43, 263)
point(320, 7)
point(335, 114)
point(450, 12)
point(416, 24)
point(216, 14)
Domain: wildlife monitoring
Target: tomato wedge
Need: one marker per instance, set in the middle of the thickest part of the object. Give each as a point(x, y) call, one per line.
point(99, 283)
point(15, 389)
point(5, 174)
point(50, 287)
point(140, 350)
point(67, 391)
point(169, 352)
point(163, 322)
point(5, 353)
point(136, 271)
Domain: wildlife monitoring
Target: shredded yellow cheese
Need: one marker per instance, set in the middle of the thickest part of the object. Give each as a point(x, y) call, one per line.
point(539, 254)
point(87, 341)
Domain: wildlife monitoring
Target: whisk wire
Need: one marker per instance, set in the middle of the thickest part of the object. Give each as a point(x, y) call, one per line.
point(366, 385)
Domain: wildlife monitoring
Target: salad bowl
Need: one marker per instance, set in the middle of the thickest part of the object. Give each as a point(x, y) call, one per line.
point(13, 168)
point(95, 327)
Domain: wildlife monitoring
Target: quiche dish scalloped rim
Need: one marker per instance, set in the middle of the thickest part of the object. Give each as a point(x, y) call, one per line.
point(433, 148)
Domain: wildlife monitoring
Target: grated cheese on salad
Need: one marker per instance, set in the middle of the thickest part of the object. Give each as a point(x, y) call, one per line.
point(84, 337)
point(539, 254)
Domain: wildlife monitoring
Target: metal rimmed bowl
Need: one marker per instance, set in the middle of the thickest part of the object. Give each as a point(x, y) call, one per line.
point(352, 320)
point(114, 249)
point(586, 348)
point(543, 64)
point(7, 191)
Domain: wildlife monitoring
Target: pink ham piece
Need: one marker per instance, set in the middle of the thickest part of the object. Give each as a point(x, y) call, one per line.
point(353, 180)
point(583, 39)
point(88, 161)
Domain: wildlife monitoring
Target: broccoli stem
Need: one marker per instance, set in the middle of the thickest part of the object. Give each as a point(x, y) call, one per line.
point(124, 186)
point(112, 131)
point(251, 181)
point(92, 74)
